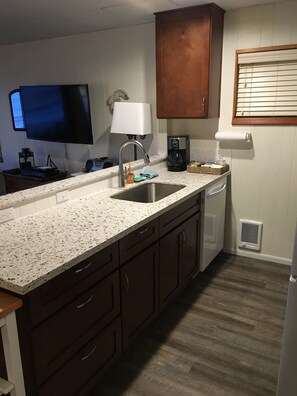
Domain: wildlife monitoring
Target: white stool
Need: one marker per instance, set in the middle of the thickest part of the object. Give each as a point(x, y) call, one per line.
point(15, 384)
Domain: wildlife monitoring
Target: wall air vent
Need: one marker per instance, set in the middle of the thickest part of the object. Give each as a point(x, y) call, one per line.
point(250, 233)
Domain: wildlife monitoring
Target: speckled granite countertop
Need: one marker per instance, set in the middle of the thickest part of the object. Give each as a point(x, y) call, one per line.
point(29, 195)
point(38, 247)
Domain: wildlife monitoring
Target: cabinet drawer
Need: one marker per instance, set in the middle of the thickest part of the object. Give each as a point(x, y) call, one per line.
point(138, 240)
point(57, 292)
point(177, 215)
point(58, 338)
point(82, 372)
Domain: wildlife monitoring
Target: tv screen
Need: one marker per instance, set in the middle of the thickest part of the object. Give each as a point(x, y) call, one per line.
point(57, 113)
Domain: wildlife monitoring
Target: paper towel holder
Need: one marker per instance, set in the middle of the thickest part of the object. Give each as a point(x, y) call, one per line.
point(233, 136)
point(248, 137)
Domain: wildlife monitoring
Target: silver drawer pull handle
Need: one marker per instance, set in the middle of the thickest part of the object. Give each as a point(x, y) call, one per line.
point(89, 354)
point(85, 303)
point(83, 268)
point(143, 231)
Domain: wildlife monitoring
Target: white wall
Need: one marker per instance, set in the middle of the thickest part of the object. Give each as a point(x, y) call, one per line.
point(120, 58)
point(264, 177)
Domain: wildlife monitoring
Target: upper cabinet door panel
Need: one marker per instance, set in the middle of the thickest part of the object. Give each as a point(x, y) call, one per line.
point(185, 61)
point(182, 53)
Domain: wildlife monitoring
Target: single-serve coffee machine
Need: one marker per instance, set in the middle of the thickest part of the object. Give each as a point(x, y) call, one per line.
point(178, 153)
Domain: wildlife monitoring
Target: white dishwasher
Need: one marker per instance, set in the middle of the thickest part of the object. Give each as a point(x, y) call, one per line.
point(213, 204)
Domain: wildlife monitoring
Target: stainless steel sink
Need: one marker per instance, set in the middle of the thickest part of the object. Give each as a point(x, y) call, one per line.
point(148, 192)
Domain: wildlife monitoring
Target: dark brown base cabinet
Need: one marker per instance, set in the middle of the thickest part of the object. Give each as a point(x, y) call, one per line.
point(179, 253)
point(79, 375)
point(18, 182)
point(70, 327)
point(76, 326)
point(179, 259)
point(140, 293)
point(190, 250)
point(170, 267)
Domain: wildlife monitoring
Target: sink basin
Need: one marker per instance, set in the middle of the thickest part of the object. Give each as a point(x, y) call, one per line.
point(148, 192)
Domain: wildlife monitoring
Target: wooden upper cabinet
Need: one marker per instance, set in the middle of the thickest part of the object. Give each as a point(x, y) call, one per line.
point(188, 61)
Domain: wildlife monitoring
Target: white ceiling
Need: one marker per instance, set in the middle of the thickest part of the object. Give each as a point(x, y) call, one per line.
point(30, 20)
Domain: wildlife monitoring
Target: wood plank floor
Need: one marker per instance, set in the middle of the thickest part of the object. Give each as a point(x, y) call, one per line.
point(222, 337)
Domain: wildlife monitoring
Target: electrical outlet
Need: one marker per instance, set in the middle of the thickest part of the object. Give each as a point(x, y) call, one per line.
point(62, 196)
point(6, 215)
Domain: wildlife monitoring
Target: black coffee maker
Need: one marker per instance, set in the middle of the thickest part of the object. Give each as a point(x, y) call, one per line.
point(178, 153)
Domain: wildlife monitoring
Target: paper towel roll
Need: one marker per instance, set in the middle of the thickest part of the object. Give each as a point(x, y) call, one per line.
point(224, 136)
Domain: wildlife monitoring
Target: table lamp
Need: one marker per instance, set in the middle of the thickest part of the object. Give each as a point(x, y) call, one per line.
point(132, 119)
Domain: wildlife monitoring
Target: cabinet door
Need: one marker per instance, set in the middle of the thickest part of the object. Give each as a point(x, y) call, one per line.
point(170, 266)
point(188, 60)
point(182, 66)
point(190, 248)
point(140, 293)
point(179, 259)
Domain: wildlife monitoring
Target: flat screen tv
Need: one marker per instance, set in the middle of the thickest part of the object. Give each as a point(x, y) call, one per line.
point(57, 113)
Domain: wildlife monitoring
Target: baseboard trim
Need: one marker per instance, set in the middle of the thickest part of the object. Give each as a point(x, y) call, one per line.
point(259, 256)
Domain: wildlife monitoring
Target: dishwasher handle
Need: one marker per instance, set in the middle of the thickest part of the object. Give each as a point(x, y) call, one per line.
point(216, 192)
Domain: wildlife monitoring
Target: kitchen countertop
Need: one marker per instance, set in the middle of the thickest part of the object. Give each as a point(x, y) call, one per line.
point(29, 195)
point(36, 248)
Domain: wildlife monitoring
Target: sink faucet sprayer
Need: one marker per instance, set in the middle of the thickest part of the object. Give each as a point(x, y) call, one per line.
point(121, 168)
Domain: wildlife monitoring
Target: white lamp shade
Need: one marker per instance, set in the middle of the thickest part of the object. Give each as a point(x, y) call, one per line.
point(131, 118)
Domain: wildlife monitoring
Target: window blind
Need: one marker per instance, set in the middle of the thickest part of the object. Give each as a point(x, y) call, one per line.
point(267, 84)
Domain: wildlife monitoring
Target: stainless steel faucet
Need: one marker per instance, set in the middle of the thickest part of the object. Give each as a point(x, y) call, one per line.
point(121, 168)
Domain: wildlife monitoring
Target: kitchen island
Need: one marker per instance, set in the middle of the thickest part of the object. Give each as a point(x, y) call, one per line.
point(93, 273)
point(38, 247)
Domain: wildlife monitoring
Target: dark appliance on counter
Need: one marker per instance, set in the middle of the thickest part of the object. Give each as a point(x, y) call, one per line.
point(95, 164)
point(26, 159)
point(178, 153)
